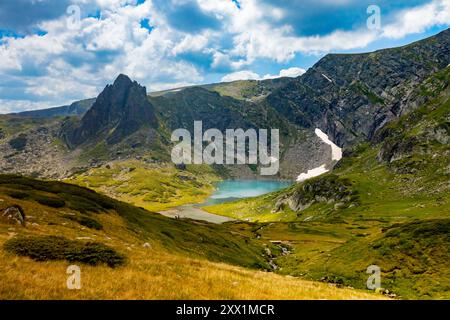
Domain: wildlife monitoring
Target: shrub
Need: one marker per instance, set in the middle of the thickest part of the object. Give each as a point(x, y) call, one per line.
point(19, 142)
point(16, 194)
point(49, 202)
point(86, 221)
point(46, 248)
point(168, 234)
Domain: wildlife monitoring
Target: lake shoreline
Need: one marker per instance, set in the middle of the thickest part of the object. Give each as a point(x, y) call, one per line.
point(225, 191)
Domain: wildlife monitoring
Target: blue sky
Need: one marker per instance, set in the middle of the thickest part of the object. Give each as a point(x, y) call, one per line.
point(55, 52)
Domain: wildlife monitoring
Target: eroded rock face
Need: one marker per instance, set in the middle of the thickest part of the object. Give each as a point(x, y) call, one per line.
point(40, 155)
point(351, 96)
point(120, 110)
point(13, 215)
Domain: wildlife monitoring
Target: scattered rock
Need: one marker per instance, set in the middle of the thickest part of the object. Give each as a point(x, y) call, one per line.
point(146, 245)
point(339, 205)
point(180, 166)
point(13, 215)
point(382, 291)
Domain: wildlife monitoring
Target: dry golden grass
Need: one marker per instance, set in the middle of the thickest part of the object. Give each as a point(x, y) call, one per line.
point(151, 273)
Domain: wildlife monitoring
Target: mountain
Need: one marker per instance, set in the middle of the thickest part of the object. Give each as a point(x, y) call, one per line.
point(120, 110)
point(249, 90)
point(350, 97)
point(77, 108)
point(386, 203)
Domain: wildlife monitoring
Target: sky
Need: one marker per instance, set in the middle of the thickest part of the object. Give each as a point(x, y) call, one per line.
point(55, 52)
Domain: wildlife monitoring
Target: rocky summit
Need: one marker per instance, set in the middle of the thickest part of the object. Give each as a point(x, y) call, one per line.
point(120, 110)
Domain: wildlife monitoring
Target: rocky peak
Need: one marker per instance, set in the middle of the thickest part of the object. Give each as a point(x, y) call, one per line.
point(120, 110)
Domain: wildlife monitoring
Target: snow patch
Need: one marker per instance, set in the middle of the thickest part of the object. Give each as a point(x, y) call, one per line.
point(336, 154)
point(312, 173)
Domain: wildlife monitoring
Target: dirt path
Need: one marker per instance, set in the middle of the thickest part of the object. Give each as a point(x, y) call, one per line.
point(192, 212)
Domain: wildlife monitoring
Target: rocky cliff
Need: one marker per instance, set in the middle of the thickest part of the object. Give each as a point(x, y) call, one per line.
point(120, 110)
point(351, 96)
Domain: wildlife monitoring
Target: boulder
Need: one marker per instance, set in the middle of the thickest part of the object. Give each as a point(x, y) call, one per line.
point(13, 215)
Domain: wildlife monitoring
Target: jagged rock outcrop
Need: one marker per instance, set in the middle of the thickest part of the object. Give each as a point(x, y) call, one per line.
point(119, 111)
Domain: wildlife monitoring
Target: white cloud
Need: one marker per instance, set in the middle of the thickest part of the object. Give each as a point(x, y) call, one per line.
point(241, 75)
point(10, 106)
point(77, 64)
point(250, 75)
point(418, 19)
point(291, 72)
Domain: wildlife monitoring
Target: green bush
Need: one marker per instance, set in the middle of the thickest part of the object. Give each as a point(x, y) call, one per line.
point(86, 221)
point(48, 201)
point(19, 142)
point(46, 248)
point(17, 194)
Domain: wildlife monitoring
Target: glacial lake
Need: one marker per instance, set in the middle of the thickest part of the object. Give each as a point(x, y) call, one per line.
point(227, 190)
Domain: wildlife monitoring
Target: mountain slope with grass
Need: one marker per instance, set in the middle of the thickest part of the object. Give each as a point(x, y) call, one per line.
point(386, 203)
point(126, 252)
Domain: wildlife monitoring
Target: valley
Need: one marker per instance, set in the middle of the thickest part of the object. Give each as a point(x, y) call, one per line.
point(85, 184)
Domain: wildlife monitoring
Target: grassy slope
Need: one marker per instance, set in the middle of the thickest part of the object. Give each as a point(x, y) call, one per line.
point(11, 125)
point(179, 264)
point(152, 186)
point(400, 224)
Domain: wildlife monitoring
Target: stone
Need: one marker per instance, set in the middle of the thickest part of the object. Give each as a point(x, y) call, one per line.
point(13, 215)
point(84, 238)
point(180, 166)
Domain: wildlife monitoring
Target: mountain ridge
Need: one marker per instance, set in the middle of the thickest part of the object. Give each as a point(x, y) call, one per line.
point(349, 97)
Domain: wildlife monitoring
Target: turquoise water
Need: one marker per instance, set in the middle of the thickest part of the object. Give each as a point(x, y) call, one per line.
point(234, 189)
